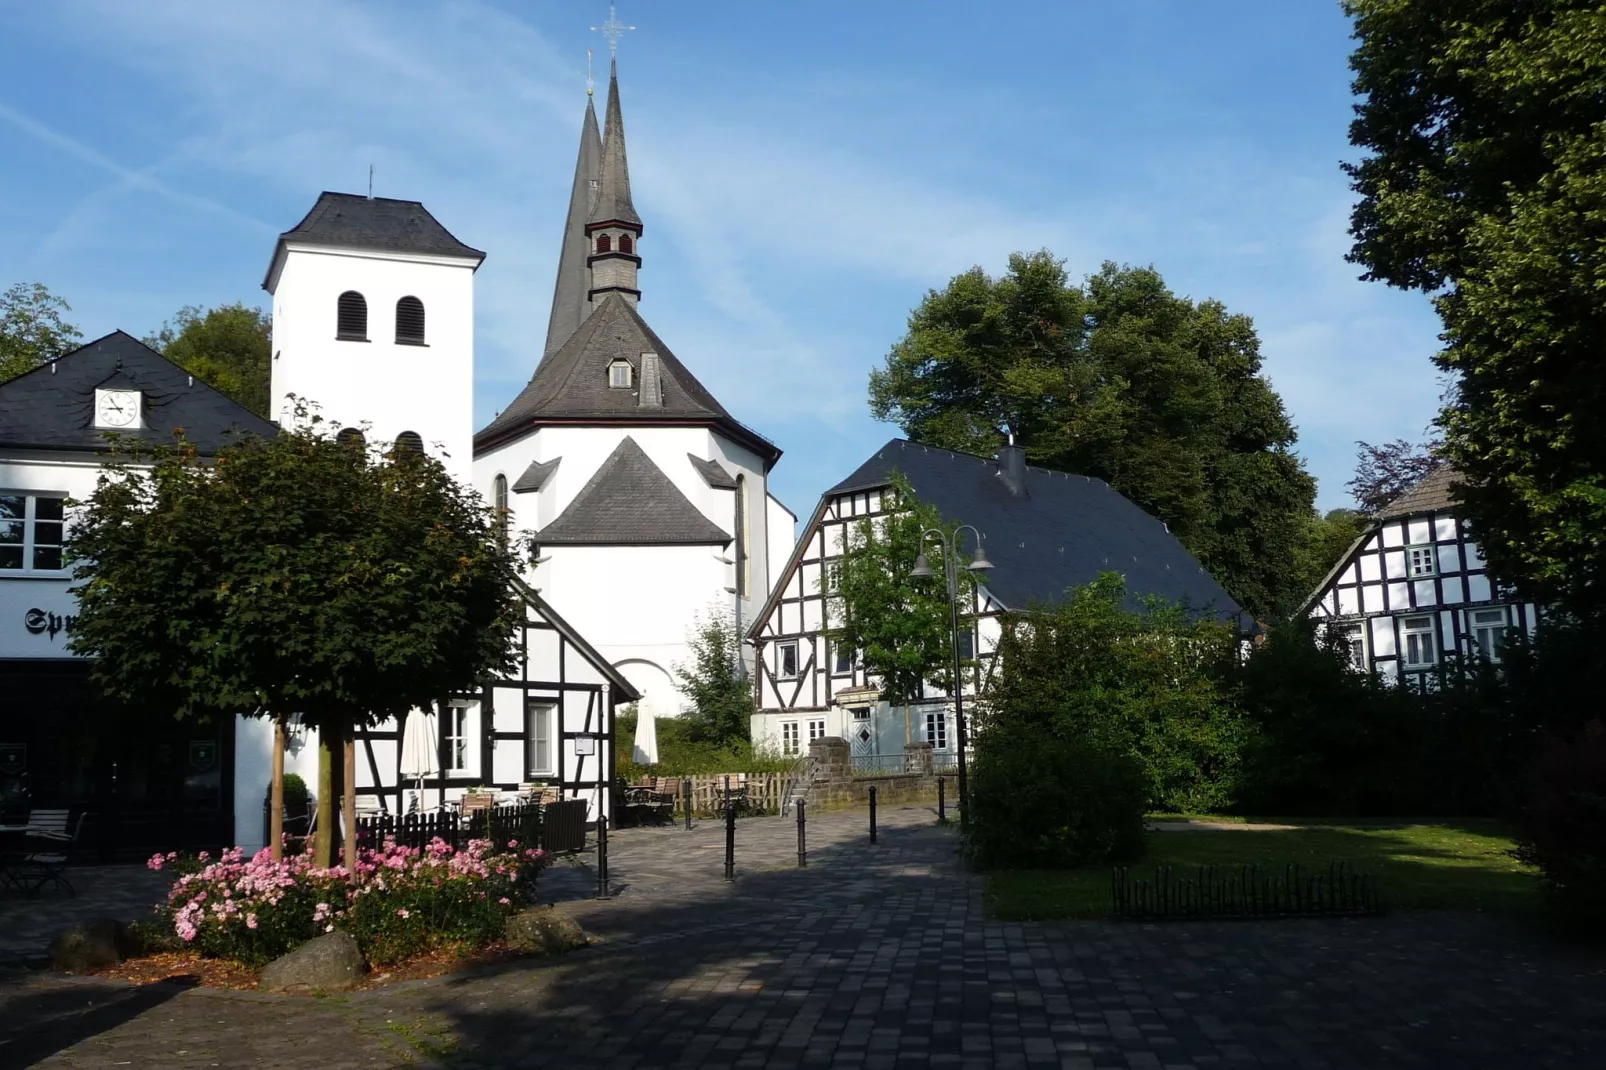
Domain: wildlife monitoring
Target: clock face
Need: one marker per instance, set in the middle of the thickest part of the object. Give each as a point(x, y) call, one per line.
point(117, 408)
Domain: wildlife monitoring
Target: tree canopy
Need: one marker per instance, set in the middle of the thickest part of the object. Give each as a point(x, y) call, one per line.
point(228, 347)
point(1383, 473)
point(1118, 378)
point(32, 330)
point(1484, 185)
point(721, 693)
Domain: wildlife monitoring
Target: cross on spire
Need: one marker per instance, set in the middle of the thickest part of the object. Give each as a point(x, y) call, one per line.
point(613, 29)
point(591, 79)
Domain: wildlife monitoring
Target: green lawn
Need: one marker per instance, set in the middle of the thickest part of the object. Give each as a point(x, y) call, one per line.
point(1449, 864)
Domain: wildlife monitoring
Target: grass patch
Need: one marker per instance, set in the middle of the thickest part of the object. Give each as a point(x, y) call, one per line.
point(1460, 865)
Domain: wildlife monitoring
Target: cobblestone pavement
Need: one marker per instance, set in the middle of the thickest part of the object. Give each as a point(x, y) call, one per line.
point(875, 957)
point(27, 922)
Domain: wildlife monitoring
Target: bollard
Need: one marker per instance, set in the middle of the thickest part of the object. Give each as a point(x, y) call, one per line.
point(602, 857)
point(730, 834)
point(872, 815)
point(942, 802)
point(802, 843)
point(688, 804)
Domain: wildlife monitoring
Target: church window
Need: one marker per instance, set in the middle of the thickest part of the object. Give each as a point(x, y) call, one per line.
point(409, 442)
point(350, 436)
point(352, 320)
point(499, 499)
point(742, 565)
point(619, 374)
point(625, 244)
point(409, 322)
point(604, 244)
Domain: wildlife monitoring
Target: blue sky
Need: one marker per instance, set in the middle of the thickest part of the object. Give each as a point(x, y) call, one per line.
point(806, 172)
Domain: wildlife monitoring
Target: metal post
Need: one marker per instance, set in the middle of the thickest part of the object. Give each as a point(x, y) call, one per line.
point(942, 799)
point(802, 843)
point(950, 556)
point(688, 803)
point(602, 857)
point(730, 834)
point(872, 815)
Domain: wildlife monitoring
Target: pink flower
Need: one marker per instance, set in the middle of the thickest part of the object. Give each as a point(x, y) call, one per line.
point(505, 901)
point(250, 921)
point(401, 912)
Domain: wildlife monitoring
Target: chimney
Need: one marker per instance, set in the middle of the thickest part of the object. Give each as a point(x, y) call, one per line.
point(1012, 469)
point(651, 394)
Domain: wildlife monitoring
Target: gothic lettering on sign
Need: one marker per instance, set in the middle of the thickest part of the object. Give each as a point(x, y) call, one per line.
point(39, 622)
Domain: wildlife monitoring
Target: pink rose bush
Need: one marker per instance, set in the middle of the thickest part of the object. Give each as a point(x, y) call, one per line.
point(403, 900)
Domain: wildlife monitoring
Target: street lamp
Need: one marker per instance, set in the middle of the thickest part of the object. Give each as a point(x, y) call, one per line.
point(922, 570)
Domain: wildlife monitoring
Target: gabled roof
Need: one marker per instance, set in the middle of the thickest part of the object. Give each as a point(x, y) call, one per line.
point(535, 476)
point(571, 385)
point(351, 221)
point(571, 291)
point(53, 406)
point(1429, 494)
point(1064, 532)
point(624, 688)
point(629, 501)
point(713, 473)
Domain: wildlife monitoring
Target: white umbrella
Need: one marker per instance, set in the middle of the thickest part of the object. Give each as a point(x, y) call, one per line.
point(420, 756)
point(646, 737)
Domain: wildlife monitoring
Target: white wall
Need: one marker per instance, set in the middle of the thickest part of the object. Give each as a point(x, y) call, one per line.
point(393, 388)
point(253, 766)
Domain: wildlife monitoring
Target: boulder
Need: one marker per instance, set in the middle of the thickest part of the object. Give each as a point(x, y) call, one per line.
point(328, 963)
point(85, 947)
point(544, 931)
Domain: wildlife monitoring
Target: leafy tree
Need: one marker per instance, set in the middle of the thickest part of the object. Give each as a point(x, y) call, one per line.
point(899, 625)
point(295, 575)
point(1118, 378)
point(31, 328)
point(1383, 473)
point(720, 692)
point(1484, 185)
point(1324, 542)
point(228, 347)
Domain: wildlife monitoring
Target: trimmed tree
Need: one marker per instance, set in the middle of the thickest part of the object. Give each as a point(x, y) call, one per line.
point(720, 693)
point(295, 575)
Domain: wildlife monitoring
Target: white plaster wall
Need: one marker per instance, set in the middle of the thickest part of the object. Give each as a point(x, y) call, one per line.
point(253, 767)
point(781, 530)
point(393, 388)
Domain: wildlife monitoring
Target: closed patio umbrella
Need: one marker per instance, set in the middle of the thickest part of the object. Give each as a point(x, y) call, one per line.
point(420, 755)
point(646, 737)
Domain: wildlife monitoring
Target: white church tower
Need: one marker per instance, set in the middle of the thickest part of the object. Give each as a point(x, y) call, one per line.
point(647, 501)
point(373, 320)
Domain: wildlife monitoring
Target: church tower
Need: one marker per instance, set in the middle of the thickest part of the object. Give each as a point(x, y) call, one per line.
point(614, 228)
point(571, 295)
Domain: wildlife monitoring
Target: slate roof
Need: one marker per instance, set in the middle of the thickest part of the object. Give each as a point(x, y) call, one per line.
point(613, 203)
point(535, 476)
point(571, 289)
point(352, 221)
point(1430, 494)
point(571, 385)
point(53, 407)
point(1064, 532)
point(629, 501)
point(713, 473)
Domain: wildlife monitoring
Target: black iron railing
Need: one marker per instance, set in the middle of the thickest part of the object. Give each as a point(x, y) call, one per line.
point(526, 822)
point(1242, 891)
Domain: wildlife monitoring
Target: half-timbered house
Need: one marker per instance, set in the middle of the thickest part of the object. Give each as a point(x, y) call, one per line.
point(1044, 532)
point(1411, 593)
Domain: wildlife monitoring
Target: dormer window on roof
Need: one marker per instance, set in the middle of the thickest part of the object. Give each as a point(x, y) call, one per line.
point(619, 374)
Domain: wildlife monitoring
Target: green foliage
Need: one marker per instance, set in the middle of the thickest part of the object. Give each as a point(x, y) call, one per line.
point(1325, 541)
point(1052, 800)
point(901, 626)
point(228, 347)
point(681, 755)
point(31, 328)
point(1118, 378)
point(721, 693)
point(1484, 185)
point(1152, 684)
point(1564, 827)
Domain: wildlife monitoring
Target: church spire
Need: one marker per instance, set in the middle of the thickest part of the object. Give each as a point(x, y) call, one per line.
point(571, 296)
point(613, 227)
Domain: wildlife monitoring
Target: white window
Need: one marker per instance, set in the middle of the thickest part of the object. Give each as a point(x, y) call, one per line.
point(1420, 561)
point(789, 744)
point(1489, 631)
point(786, 664)
point(816, 730)
point(937, 729)
point(1416, 641)
point(456, 736)
point(1354, 637)
point(619, 374)
point(844, 659)
point(30, 532)
point(538, 739)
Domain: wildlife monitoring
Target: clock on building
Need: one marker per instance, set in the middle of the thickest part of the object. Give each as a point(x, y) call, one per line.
point(117, 408)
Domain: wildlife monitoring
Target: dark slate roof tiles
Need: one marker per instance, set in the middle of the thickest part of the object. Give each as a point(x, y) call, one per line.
point(629, 501)
point(354, 221)
point(535, 476)
point(713, 473)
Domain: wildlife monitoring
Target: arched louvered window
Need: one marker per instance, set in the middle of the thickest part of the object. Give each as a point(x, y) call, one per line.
point(604, 244)
point(409, 322)
point(352, 323)
point(625, 244)
point(409, 442)
point(499, 499)
point(350, 436)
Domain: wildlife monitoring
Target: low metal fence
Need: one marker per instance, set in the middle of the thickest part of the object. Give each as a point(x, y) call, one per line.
point(1242, 891)
point(883, 764)
point(529, 823)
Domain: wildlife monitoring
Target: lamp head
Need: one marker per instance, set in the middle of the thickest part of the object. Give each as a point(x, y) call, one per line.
point(922, 569)
point(979, 563)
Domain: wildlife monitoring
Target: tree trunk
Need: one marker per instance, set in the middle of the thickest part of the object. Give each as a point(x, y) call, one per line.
point(276, 793)
point(349, 803)
point(324, 844)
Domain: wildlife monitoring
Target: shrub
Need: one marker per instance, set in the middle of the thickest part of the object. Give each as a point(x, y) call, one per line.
point(401, 902)
point(680, 753)
point(1563, 828)
point(1053, 801)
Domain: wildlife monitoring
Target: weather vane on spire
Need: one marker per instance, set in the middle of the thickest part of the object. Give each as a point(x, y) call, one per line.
point(613, 29)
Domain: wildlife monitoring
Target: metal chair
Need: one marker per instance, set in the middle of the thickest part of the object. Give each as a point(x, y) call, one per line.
point(51, 863)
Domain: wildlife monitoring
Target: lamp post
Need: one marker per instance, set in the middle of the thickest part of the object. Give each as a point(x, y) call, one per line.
point(922, 570)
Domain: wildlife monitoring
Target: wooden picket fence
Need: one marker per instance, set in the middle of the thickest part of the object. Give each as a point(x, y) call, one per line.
point(755, 793)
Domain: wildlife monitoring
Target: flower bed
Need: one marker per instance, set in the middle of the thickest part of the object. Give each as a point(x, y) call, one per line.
point(401, 902)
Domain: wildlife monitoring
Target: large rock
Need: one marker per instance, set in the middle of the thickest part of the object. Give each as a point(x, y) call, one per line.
point(86, 947)
point(544, 931)
point(328, 963)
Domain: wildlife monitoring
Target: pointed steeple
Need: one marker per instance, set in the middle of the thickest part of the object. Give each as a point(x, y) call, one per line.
point(613, 198)
point(571, 296)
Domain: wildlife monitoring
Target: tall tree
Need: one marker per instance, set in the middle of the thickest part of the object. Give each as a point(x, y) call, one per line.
point(31, 328)
point(720, 692)
point(228, 347)
point(295, 575)
point(1484, 185)
point(1118, 378)
point(1383, 473)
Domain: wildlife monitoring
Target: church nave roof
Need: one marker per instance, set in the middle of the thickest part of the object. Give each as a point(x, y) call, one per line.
point(629, 501)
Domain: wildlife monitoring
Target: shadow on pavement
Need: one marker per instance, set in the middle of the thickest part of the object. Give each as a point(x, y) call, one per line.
point(37, 1025)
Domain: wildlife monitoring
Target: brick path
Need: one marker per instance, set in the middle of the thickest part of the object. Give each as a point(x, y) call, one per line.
point(875, 957)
